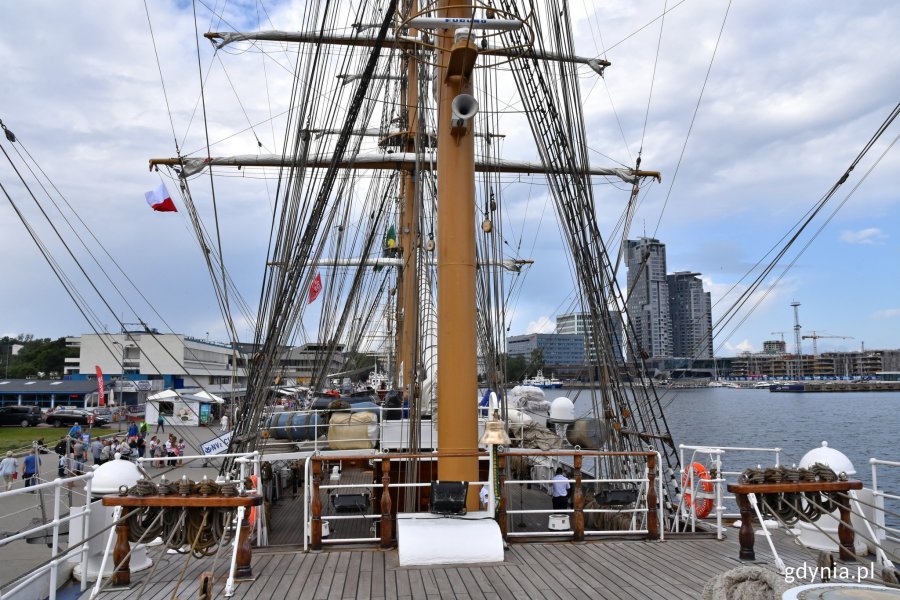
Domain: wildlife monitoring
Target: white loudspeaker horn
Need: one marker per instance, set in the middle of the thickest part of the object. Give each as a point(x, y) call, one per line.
point(463, 108)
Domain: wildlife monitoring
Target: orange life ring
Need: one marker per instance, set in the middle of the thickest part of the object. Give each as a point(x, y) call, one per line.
point(702, 506)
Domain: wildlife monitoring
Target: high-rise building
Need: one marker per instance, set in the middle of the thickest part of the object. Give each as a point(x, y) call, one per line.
point(581, 324)
point(774, 347)
point(648, 297)
point(690, 309)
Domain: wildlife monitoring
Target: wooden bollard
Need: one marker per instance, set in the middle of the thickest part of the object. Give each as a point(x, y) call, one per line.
point(578, 503)
point(122, 552)
point(244, 552)
point(387, 523)
point(316, 507)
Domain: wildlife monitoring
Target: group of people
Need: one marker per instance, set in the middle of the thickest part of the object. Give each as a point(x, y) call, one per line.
point(76, 449)
point(168, 452)
point(9, 468)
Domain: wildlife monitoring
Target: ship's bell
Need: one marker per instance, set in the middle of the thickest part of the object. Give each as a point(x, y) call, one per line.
point(494, 432)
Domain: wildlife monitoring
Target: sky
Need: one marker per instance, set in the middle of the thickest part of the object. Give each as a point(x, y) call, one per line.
point(794, 93)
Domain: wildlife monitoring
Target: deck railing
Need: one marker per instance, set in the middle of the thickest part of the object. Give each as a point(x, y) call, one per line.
point(883, 501)
point(56, 557)
point(714, 457)
point(644, 516)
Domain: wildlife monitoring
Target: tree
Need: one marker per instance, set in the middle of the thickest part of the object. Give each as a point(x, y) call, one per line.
point(37, 358)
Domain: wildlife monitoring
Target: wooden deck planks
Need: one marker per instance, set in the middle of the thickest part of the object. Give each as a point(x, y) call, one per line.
point(594, 570)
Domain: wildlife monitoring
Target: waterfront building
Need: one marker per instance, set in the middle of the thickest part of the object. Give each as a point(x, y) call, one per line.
point(690, 310)
point(563, 354)
point(648, 297)
point(827, 365)
point(139, 363)
point(580, 323)
point(47, 393)
point(774, 347)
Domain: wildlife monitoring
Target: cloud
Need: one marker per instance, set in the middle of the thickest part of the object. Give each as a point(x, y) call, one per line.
point(543, 324)
point(868, 236)
point(886, 313)
point(744, 346)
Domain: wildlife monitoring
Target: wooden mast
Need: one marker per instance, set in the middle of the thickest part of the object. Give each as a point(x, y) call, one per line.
point(410, 240)
point(457, 378)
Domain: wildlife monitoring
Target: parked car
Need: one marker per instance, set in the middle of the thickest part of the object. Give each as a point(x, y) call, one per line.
point(23, 416)
point(101, 411)
point(68, 417)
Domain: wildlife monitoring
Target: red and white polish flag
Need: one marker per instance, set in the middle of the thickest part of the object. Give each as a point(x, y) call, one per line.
point(160, 200)
point(314, 288)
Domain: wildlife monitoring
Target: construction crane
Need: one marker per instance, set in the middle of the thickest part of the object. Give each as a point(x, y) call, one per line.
point(781, 333)
point(815, 336)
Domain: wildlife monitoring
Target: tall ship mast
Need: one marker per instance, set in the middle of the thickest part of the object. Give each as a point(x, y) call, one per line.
point(418, 90)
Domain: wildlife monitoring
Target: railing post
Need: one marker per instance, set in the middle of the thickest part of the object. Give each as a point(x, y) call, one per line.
point(387, 523)
point(243, 570)
point(121, 552)
point(501, 500)
point(578, 503)
point(316, 505)
point(652, 522)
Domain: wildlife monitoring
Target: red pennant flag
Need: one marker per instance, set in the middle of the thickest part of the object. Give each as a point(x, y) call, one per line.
point(314, 288)
point(101, 386)
point(160, 200)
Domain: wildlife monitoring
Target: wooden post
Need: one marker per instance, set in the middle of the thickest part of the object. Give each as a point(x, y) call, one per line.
point(387, 519)
point(578, 502)
point(742, 492)
point(745, 535)
point(121, 557)
point(652, 522)
point(845, 530)
point(244, 553)
point(316, 506)
point(501, 499)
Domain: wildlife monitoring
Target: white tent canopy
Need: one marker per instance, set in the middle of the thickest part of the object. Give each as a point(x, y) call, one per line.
point(181, 408)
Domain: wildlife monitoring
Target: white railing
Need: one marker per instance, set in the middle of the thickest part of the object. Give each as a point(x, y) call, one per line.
point(56, 558)
point(891, 534)
point(715, 455)
point(641, 507)
point(339, 456)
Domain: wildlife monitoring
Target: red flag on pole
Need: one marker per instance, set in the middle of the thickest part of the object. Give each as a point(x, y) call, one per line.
point(100, 385)
point(160, 200)
point(314, 288)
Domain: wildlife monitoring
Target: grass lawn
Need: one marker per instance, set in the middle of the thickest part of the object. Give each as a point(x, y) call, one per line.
point(17, 438)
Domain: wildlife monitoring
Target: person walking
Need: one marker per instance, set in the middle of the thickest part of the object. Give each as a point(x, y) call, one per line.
point(78, 456)
point(224, 422)
point(96, 450)
point(560, 490)
point(160, 423)
point(132, 431)
point(8, 468)
point(143, 429)
point(30, 466)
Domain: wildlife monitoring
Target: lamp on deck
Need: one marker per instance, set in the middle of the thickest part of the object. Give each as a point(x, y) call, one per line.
point(494, 435)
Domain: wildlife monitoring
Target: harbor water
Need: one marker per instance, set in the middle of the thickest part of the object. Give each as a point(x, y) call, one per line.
point(862, 425)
